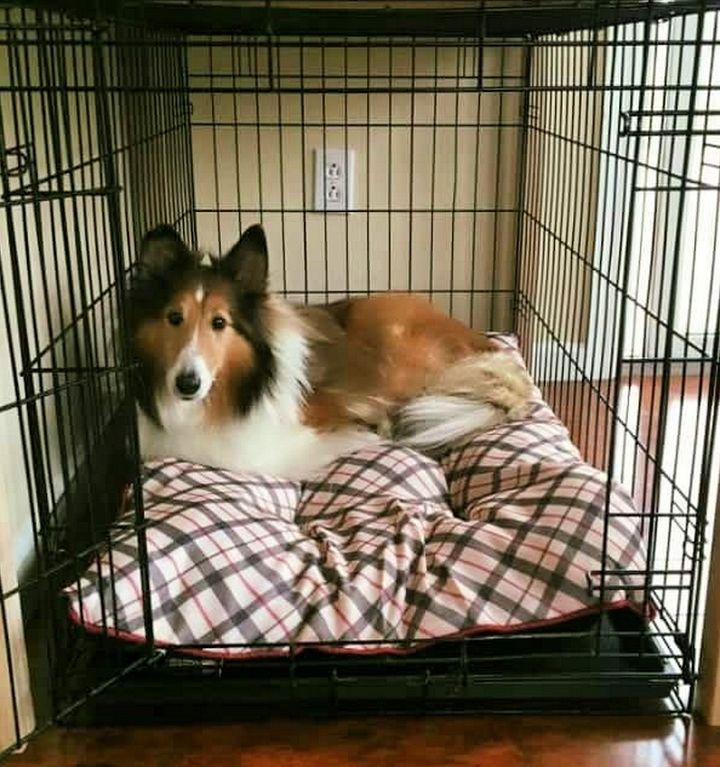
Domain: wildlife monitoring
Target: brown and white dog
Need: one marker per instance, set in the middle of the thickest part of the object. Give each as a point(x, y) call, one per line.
point(234, 377)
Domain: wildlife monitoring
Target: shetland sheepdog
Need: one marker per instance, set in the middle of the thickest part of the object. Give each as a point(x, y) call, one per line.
point(232, 376)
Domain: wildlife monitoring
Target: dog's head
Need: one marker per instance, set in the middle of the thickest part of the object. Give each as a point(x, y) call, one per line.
point(200, 332)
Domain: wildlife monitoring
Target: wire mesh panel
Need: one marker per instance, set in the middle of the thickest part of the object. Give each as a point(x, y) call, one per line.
point(433, 198)
point(628, 346)
point(548, 168)
point(80, 183)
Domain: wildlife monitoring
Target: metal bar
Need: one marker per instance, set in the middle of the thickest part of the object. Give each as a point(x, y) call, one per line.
point(675, 266)
point(104, 138)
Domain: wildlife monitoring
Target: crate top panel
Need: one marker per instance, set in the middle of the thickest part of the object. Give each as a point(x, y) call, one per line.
point(369, 18)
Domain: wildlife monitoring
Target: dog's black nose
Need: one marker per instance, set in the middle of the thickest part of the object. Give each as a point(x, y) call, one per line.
point(187, 383)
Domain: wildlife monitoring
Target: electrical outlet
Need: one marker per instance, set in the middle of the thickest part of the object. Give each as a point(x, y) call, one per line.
point(333, 179)
point(334, 193)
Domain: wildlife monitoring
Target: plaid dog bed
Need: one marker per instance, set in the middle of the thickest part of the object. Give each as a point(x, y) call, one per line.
point(505, 533)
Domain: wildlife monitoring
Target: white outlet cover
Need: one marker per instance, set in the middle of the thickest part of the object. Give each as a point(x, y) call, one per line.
point(337, 183)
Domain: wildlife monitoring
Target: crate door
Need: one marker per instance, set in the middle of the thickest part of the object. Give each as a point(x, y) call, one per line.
point(94, 135)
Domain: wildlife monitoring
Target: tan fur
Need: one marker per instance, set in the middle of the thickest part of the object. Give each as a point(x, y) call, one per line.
point(161, 342)
point(497, 376)
point(372, 355)
point(407, 340)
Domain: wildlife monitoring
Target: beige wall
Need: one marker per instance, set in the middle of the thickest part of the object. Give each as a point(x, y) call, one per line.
point(379, 128)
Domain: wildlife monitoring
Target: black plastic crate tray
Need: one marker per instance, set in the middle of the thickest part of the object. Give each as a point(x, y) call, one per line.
point(604, 661)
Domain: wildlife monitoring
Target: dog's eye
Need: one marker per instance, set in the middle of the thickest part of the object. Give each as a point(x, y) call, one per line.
point(175, 318)
point(218, 323)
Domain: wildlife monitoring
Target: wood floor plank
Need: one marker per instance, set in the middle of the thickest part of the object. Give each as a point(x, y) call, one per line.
point(510, 741)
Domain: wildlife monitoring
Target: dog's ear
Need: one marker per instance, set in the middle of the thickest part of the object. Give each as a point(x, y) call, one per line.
point(247, 261)
point(162, 249)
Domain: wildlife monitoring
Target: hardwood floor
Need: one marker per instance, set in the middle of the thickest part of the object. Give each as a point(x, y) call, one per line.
point(510, 741)
point(584, 408)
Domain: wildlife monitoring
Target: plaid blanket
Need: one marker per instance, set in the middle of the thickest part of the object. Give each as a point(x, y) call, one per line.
point(505, 533)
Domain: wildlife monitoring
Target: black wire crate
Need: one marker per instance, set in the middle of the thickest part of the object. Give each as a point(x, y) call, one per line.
point(549, 170)
point(579, 668)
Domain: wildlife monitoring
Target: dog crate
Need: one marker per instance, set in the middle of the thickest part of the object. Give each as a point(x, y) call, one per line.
point(550, 169)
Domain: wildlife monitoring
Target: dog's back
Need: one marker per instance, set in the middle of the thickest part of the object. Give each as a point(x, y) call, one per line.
point(400, 366)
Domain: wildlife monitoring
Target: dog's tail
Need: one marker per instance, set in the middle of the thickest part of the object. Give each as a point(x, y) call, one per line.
point(471, 396)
